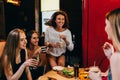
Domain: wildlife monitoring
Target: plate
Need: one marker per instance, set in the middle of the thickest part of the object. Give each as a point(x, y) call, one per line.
point(58, 68)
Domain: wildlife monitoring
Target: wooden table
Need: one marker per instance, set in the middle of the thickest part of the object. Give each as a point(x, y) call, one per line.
point(54, 74)
point(57, 76)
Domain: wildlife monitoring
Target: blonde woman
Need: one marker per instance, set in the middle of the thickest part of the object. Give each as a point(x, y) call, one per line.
point(113, 31)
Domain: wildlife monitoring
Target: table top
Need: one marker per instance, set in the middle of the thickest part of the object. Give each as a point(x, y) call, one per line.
point(54, 74)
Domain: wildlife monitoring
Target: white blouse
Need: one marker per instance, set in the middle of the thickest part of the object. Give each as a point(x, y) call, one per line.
point(53, 36)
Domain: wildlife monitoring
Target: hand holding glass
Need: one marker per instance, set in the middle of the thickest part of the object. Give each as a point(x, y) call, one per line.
point(36, 57)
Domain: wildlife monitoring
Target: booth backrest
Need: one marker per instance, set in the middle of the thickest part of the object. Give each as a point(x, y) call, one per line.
point(2, 44)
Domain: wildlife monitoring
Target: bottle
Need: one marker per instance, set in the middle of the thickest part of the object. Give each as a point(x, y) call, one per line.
point(76, 70)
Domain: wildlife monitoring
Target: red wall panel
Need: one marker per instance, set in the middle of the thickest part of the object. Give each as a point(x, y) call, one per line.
point(93, 33)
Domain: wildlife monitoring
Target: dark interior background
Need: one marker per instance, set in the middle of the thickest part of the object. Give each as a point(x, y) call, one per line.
point(20, 16)
point(23, 17)
point(74, 10)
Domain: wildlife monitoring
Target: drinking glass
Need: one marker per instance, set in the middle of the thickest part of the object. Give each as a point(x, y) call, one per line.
point(37, 57)
point(61, 44)
point(76, 71)
point(44, 49)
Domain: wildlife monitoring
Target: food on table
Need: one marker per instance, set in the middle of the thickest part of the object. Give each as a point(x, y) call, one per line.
point(67, 72)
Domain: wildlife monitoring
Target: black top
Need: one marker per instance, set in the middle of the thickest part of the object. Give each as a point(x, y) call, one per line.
point(37, 72)
point(15, 66)
point(2, 76)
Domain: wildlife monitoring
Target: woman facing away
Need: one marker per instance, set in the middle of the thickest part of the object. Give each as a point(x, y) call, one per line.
point(113, 31)
point(34, 49)
point(14, 58)
point(58, 38)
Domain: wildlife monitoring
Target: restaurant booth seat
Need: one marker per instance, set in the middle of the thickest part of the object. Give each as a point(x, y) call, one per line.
point(2, 44)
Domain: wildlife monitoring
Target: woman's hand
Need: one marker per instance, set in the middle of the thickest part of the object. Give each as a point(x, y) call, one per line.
point(108, 49)
point(31, 62)
point(63, 37)
point(38, 51)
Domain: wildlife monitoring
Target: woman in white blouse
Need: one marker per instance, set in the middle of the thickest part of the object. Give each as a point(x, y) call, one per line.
point(58, 38)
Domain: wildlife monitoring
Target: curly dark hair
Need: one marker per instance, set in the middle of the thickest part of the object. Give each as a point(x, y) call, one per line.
point(52, 22)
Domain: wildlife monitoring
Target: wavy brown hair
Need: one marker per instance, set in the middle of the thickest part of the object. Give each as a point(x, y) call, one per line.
point(52, 22)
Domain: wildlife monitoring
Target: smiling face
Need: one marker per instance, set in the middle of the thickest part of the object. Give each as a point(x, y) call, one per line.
point(34, 39)
point(23, 41)
point(108, 29)
point(60, 20)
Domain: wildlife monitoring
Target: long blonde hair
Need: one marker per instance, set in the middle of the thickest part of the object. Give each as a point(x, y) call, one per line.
point(114, 18)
